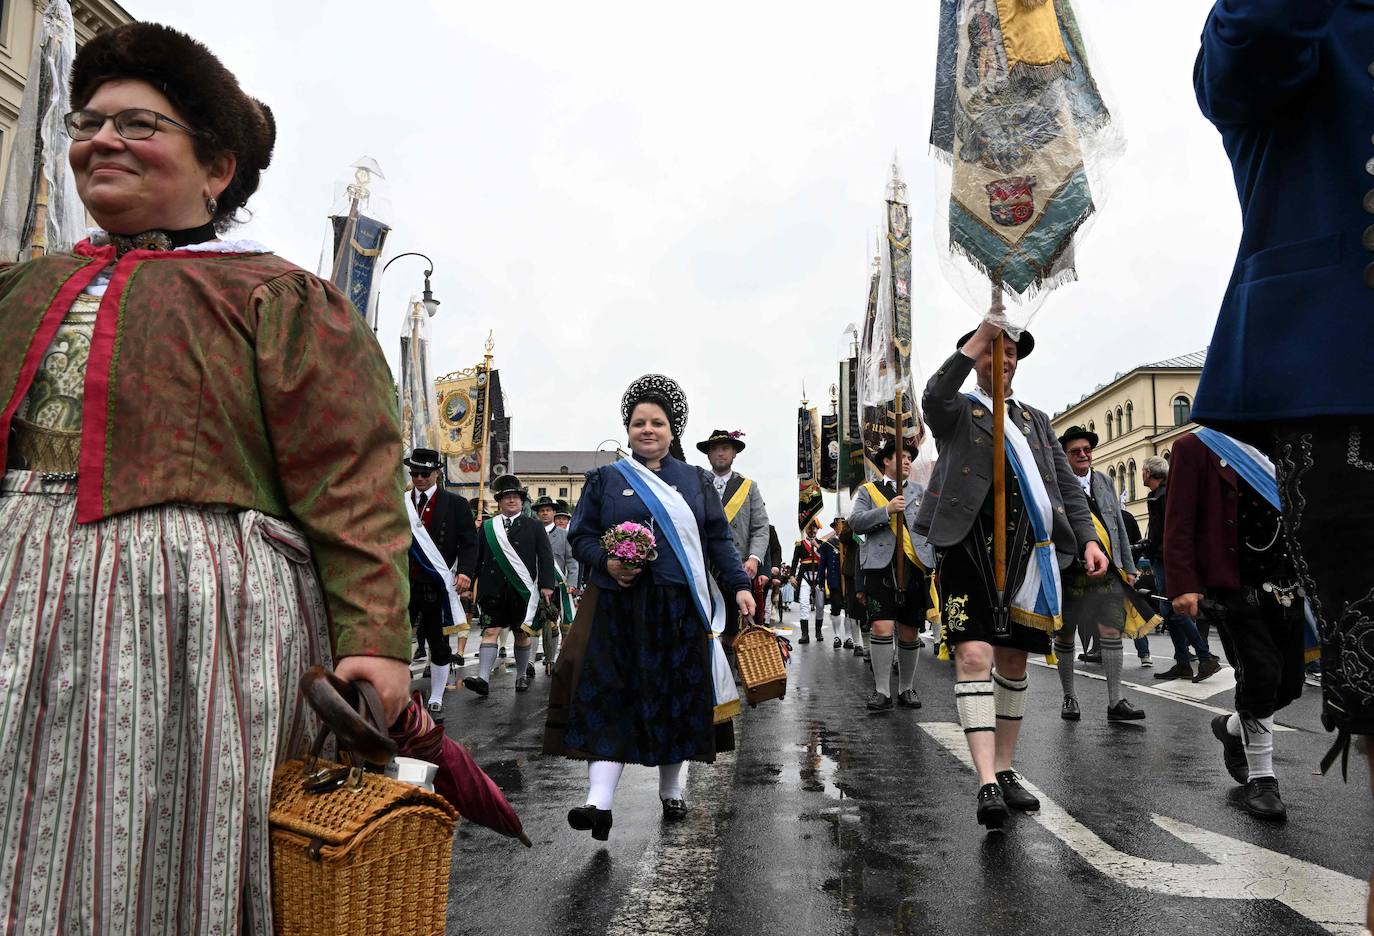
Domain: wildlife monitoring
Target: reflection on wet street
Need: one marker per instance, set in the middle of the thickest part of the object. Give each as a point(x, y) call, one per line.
point(830, 820)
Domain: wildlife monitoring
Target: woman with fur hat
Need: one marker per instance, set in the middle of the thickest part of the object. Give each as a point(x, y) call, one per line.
point(192, 513)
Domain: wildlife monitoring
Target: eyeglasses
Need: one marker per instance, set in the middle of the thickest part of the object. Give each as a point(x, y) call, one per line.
point(135, 123)
point(421, 474)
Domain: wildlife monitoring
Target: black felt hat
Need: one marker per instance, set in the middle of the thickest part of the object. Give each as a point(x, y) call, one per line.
point(423, 459)
point(1024, 345)
point(721, 435)
point(1078, 432)
point(508, 484)
point(562, 508)
point(543, 501)
point(889, 448)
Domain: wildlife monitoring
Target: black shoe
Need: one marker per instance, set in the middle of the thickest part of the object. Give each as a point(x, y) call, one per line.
point(419, 654)
point(1207, 668)
point(1093, 657)
point(1017, 797)
point(819, 638)
point(477, 684)
point(858, 651)
point(529, 670)
point(1070, 710)
point(1177, 671)
point(538, 657)
point(1124, 711)
point(837, 643)
point(992, 809)
point(1232, 750)
point(878, 702)
point(908, 698)
point(1260, 798)
point(867, 655)
point(598, 821)
point(522, 684)
point(501, 653)
point(805, 638)
point(458, 660)
point(849, 643)
point(674, 810)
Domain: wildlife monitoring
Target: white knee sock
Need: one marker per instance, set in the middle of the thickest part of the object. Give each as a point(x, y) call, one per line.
point(1258, 734)
point(602, 777)
point(1009, 696)
point(977, 709)
point(837, 626)
point(670, 781)
point(438, 679)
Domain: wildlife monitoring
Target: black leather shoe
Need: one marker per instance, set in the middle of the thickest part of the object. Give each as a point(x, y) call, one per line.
point(819, 638)
point(585, 818)
point(1207, 668)
point(522, 684)
point(420, 653)
point(837, 643)
point(1124, 711)
point(1177, 671)
point(529, 670)
point(674, 810)
point(805, 638)
point(1091, 657)
point(849, 643)
point(858, 651)
point(477, 684)
point(1232, 750)
point(908, 698)
point(878, 702)
point(1070, 710)
point(458, 660)
point(992, 809)
point(501, 653)
point(1016, 796)
point(1260, 798)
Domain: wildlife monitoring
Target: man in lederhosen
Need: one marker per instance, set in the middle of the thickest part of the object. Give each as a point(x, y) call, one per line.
point(991, 633)
point(565, 573)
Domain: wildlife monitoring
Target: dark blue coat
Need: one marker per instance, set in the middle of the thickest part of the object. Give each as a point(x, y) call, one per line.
point(607, 499)
point(1290, 85)
point(830, 566)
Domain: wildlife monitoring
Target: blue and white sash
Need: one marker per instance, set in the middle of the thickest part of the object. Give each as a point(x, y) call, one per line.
point(431, 562)
point(1037, 601)
point(678, 526)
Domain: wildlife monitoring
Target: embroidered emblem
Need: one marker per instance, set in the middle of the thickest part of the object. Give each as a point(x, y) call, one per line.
point(1011, 201)
point(979, 412)
point(956, 616)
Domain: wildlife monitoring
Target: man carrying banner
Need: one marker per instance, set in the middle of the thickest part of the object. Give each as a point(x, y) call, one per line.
point(806, 580)
point(744, 510)
point(513, 554)
point(889, 606)
point(564, 572)
point(1098, 603)
point(443, 559)
point(1049, 525)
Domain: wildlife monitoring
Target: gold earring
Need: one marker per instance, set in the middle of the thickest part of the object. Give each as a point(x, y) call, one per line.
point(211, 205)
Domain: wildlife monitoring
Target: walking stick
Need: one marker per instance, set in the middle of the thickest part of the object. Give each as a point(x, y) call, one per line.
point(999, 466)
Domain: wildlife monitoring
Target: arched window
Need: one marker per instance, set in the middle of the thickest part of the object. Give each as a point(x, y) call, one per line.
point(1111, 473)
point(1092, 427)
point(1130, 479)
point(1168, 454)
point(1109, 425)
point(1183, 410)
point(1121, 479)
point(1130, 415)
point(1120, 422)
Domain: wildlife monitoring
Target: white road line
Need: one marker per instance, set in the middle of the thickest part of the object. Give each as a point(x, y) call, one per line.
point(1165, 693)
point(1241, 871)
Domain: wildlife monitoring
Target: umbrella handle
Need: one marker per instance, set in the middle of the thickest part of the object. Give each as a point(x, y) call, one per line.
point(352, 711)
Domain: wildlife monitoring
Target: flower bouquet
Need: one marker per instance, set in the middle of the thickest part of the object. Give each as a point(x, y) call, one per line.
point(631, 543)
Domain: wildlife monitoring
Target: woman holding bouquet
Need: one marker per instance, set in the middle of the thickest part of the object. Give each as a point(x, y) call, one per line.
point(638, 681)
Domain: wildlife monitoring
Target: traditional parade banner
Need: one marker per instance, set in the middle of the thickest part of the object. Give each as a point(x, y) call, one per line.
point(809, 497)
point(419, 417)
point(850, 467)
point(357, 239)
point(830, 452)
point(463, 432)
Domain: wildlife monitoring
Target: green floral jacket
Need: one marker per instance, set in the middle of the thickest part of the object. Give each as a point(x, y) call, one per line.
point(239, 379)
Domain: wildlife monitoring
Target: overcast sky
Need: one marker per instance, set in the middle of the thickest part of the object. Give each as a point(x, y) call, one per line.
point(618, 188)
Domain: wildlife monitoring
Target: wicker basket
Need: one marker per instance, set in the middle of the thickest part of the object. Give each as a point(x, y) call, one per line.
point(760, 663)
point(365, 862)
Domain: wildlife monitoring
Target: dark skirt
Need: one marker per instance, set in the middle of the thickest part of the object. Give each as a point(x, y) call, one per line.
point(633, 682)
point(968, 593)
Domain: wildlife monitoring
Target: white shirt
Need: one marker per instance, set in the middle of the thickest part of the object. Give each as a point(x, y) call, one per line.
point(720, 481)
point(1085, 482)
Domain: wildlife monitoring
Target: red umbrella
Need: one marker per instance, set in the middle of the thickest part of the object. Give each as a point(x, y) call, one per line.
point(460, 781)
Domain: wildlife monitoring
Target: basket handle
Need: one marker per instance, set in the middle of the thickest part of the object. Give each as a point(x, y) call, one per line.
point(352, 711)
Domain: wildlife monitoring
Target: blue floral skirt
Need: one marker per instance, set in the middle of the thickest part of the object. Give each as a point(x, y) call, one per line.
point(637, 681)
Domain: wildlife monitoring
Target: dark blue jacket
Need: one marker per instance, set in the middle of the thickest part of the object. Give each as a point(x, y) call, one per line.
point(830, 566)
point(1290, 85)
point(607, 499)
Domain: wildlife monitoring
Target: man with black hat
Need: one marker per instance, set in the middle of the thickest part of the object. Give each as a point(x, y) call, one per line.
point(1049, 525)
point(514, 571)
point(442, 521)
point(565, 574)
point(892, 605)
point(1095, 603)
point(744, 507)
point(806, 579)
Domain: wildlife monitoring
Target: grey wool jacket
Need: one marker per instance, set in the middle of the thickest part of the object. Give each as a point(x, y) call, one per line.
point(750, 526)
point(562, 555)
point(874, 524)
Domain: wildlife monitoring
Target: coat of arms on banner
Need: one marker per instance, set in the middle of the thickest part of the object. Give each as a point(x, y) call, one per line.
point(1011, 202)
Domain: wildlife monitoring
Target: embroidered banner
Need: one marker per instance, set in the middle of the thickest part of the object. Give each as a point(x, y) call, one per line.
point(809, 497)
point(830, 452)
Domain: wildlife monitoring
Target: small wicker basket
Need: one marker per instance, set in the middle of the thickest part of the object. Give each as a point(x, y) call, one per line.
point(367, 862)
point(760, 663)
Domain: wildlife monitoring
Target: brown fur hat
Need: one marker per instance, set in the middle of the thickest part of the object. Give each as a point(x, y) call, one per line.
point(202, 90)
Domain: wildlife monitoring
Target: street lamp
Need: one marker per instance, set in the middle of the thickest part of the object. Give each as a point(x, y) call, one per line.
point(599, 450)
point(427, 300)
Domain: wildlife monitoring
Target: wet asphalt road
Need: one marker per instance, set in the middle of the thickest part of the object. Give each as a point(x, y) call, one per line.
point(830, 820)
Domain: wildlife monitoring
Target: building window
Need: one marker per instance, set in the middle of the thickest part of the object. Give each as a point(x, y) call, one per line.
point(543, 491)
point(1091, 428)
point(563, 492)
point(1120, 423)
point(1183, 410)
point(1130, 415)
point(1167, 455)
point(1130, 480)
point(1121, 479)
point(1109, 435)
point(1111, 473)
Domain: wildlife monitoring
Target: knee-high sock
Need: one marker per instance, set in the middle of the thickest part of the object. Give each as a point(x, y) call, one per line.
point(908, 655)
point(522, 658)
point(977, 709)
point(861, 636)
point(670, 781)
point(1258, 735)
point(438, 679)
point(486, 659)
point(602, 777)
point(837, 626)
point(1111, 666)
point(1064, 654)
point(881, 652)
point(1009, 696)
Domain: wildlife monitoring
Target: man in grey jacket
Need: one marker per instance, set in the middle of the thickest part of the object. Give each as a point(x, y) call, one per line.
point(546, 510)
point(875, 506)
point(956, 517)
point(744, 508)
point(1095, 602)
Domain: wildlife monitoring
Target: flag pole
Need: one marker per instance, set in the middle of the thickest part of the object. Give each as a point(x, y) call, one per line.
point(999, 451)
point(898, 450)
